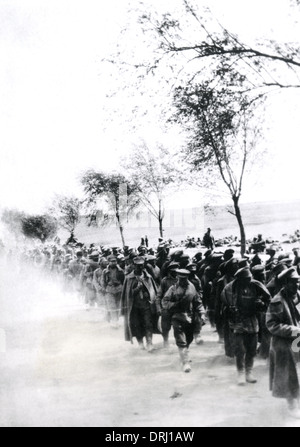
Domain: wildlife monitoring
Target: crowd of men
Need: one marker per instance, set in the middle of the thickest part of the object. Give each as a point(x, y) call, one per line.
point(251, 301)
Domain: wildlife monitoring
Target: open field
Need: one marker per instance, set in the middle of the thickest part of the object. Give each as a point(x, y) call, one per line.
point(271, 219)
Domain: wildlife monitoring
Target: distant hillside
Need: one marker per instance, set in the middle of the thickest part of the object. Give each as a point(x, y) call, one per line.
point(270, 219)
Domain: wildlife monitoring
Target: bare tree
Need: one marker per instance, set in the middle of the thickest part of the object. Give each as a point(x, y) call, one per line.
point(222, 137)
point(117, 191)
point(67, 211)
point(194, 41)
point(156, 175)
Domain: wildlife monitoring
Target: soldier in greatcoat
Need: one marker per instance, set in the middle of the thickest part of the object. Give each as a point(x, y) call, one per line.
point(87, 279)
point(138, 305)
point(283, 321)
point(112, 282)
point(166, 283)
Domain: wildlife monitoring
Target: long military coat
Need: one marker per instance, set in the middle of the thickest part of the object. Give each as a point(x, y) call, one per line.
point(127, 301)
point(284, 380)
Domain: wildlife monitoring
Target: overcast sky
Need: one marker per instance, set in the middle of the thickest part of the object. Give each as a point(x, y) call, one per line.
point(52, 93)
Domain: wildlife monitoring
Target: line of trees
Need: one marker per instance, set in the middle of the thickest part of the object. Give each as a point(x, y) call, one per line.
point(109, 198)
point(218, 87)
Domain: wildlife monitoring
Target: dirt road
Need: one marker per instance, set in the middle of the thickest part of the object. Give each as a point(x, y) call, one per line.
point(64, 367)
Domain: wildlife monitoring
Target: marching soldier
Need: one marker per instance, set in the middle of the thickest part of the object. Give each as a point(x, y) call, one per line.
point(87, 279)
point(112, 283)
point(283, 321)
point(167, 282)
point(245, 298)
point(186, 311)
point(138, 305)
point(75, 270)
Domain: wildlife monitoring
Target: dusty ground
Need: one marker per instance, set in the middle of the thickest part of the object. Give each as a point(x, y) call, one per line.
point(64, 367)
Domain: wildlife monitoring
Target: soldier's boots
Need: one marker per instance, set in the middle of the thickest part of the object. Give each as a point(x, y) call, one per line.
point(115, 325)
point(241, 380)
point(141, 345)
point(184, 356)
point(198, 340)
point(150, 347)
point(166, 341)
point(249, 376)
point(187, 368)
point(294, 410)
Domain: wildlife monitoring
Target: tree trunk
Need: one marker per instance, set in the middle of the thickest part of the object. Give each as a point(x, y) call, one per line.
point(161, 230)
point(160, 220)
point(122, 235)
point(238, 216)
point(121, 228)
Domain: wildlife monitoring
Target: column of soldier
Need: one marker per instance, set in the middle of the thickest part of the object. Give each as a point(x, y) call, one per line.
point(251, 304)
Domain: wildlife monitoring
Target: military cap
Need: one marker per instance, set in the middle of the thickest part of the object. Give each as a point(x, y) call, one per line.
point(133, 255)
point(232, 261)
point(185, 256)
point(150, 258)
point(198, 256)
point(229, 253)
point(243, 273)
point(178, 253)
point(112, 258)
point(288, 274)
point(94, 254)
point(173, 266)
point(243, 263)
point(192, 267)
point(217, 256)
point(183, 273)
point(279, 268)
point(283, 256)
point(289, 262)
point(138, 260)
point(258, 268)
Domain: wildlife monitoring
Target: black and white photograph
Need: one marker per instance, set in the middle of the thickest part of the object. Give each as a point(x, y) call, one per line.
point(149, 216)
